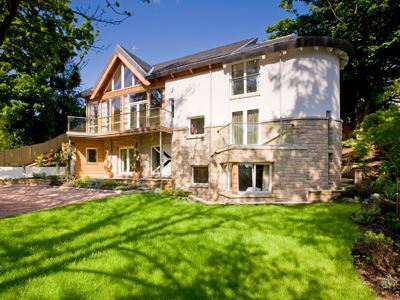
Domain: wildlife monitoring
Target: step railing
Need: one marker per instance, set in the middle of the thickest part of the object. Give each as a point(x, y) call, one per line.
point(257, 134)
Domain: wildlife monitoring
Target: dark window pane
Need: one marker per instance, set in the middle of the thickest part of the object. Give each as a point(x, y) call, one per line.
point(92, 155)
point(237, 86)
point(261, 178)
point(127, 77)
point(200, 174)
point(252, 67)
point(155, 98)
point(252, 85)
point(245, 178)
point(197, 126)
point(238, 70)
point(136, 97)
point(117, 79)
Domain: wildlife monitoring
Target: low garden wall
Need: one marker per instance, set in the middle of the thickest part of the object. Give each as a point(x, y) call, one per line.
point(28, 172)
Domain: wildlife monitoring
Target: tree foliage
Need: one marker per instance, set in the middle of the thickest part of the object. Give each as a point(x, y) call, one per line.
point(372, 27)
point(39, 70)
point(42, 44)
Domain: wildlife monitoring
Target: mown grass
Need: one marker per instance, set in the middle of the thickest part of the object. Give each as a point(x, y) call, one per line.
point(146, 246)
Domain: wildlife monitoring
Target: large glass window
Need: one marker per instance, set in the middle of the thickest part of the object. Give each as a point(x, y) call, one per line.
point(255, 178)
point(93, 114)
point(200, 174)
point(117, 79)
point(116, 114)
point(245, 77)
point(128, 77)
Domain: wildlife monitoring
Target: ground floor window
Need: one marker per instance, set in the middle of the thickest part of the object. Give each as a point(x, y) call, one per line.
point(126, 159)
point(254, 177)
point(91, 155)
point(200, 174)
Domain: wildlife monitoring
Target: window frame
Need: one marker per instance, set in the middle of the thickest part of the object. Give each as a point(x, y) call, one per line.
point(245, 127)
point(87, 155)
point(208, 175)
point(134, 80)
point(190, 126)
point(127, 148)
point(244, 78)
point(253, 179)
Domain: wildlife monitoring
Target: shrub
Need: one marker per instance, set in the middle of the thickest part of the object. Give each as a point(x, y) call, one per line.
point(365, 216)
point(83, 182)
point(378, 250)
point(386, 186)
point(392, 221)
point(389, 282)
point(39, 160)
point(106, 184)
point(362, 190)
point(39, 175)
point(175, 193)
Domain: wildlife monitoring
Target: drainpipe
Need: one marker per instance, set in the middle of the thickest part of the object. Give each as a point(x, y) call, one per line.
point(280, 100)
point(161, 155)
point(209, 135)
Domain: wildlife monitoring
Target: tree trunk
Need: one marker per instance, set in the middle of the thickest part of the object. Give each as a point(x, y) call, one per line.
point(12, 8)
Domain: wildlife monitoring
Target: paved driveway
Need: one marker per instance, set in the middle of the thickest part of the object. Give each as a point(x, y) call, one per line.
point(16, 199)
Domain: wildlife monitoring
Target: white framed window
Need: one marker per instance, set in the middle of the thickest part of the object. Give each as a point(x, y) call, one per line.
point(199, 174)
point(126, 156)
point(196, 125)
point(245, 77)
point(91, 155)
point(255, 178)
point(245, 127)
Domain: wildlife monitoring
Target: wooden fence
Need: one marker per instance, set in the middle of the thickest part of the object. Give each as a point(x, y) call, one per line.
point(26, 155)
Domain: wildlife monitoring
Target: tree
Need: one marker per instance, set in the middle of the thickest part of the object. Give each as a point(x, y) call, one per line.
point(372, 27)
point(39, 70)
point(42, 44)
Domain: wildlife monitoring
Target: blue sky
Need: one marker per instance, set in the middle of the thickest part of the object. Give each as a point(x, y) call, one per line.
point(166, 29)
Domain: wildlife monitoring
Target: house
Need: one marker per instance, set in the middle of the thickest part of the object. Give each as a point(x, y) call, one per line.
point(245, 122)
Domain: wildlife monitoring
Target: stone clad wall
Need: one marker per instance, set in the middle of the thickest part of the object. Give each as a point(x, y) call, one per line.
point(310, 163)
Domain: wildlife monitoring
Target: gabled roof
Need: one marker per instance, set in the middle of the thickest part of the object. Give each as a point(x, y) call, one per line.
point(137, 61)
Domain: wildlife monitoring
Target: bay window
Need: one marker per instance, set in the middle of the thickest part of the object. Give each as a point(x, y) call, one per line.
point(253, 178)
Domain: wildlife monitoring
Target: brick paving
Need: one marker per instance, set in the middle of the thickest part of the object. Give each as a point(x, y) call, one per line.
point(17, 199)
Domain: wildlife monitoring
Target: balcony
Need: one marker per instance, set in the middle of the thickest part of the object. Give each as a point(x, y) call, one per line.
point(141, 121)
point(257, 134)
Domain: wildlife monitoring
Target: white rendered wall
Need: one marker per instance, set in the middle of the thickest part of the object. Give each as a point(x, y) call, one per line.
point(27, 172)
point(310, 87)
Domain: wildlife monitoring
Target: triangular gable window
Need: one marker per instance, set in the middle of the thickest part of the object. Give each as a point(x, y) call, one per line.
point(122, 78)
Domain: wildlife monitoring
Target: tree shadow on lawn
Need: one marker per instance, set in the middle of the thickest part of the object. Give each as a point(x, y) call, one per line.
point(145, 246)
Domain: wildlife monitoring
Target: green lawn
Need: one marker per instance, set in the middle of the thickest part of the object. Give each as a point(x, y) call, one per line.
point(148, 247)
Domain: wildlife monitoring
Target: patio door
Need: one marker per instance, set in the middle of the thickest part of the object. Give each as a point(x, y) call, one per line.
point(156, 161)
point(126, 159)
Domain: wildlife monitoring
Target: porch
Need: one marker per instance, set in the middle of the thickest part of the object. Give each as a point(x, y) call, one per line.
point(140, 156)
